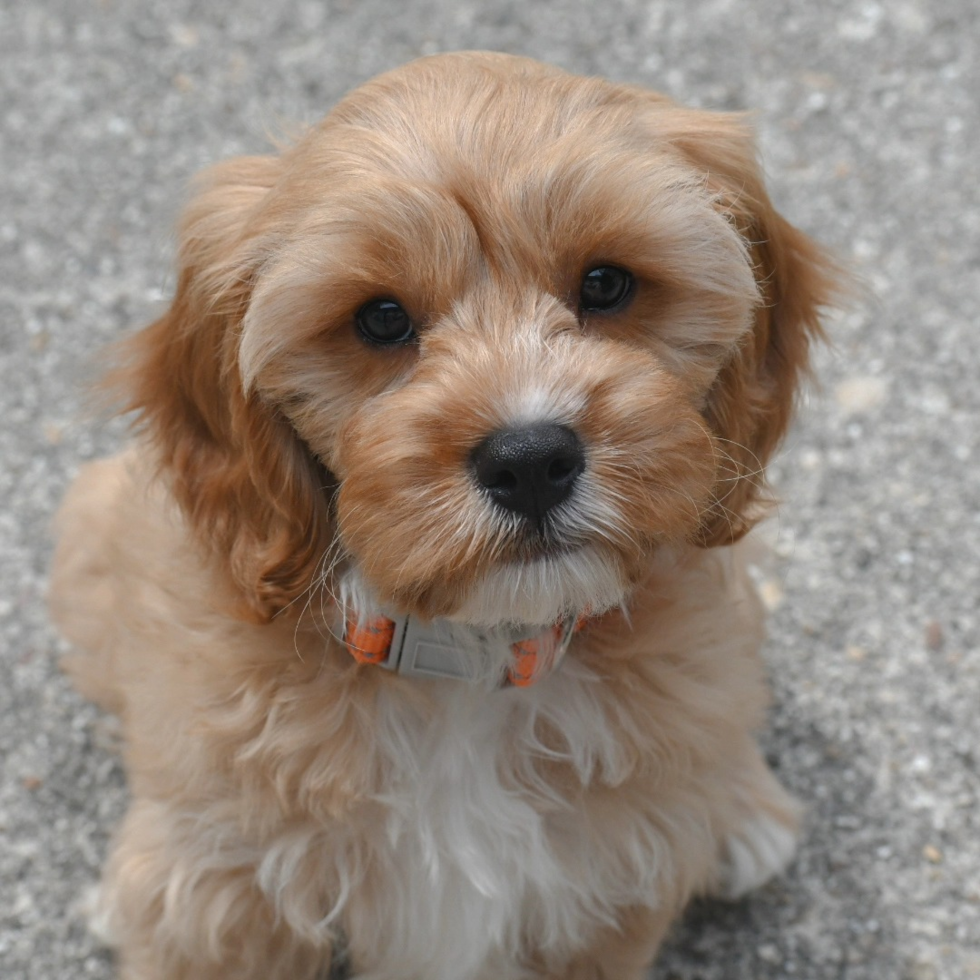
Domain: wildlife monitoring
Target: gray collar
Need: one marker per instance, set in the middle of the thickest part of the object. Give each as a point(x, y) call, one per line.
point(513, 656)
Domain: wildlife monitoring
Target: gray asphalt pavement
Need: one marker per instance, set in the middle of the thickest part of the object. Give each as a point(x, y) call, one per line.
point(870, 127)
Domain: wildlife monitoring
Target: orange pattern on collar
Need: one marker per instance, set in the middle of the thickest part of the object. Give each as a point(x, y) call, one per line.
point(369, 642)
point(528, 663)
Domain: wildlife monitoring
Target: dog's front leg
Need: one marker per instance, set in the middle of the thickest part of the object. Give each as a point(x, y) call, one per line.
point(758, 825)
point(621, 952)
point(179, 905)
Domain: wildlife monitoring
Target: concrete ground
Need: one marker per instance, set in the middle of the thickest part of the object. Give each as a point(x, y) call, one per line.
point(869, 122)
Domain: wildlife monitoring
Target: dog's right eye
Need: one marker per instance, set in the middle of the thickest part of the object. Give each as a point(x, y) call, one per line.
point(383, 321)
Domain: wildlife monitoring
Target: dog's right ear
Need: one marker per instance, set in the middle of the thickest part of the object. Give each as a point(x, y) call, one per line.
point(247, 485)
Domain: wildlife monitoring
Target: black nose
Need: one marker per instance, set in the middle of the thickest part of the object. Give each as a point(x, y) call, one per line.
point(531, 469)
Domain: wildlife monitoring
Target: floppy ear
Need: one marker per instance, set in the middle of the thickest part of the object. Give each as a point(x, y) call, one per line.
point(248, 487)
point(751, 404)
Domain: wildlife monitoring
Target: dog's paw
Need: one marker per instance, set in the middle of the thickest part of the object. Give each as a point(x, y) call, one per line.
point(761, 849)
point(92, 909)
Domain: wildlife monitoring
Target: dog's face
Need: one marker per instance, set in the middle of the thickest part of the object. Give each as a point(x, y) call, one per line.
point(482, 341)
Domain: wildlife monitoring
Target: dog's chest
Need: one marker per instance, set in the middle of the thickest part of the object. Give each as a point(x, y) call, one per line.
point(475, 849)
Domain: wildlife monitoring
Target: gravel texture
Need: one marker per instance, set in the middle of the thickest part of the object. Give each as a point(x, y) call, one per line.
point(869, 122)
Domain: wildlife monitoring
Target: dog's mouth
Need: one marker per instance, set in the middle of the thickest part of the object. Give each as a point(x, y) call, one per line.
point(548, 579)
point(547, 540)
point(553, 583)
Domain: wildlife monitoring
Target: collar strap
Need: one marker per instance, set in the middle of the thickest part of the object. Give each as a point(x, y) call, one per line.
point(417, 649)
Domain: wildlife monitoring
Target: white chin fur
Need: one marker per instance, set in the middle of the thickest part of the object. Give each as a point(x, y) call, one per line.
point(544, 591)
point(538, 593)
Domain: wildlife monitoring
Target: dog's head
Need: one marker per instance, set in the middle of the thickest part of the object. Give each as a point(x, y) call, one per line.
point(484, 339)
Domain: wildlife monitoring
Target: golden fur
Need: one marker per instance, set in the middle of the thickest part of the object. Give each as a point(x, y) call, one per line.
point(284, 795)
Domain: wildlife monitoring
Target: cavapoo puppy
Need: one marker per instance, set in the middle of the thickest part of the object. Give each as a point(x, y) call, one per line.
point(418, 592)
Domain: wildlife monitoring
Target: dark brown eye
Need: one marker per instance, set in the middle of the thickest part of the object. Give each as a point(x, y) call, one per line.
point(605, 288)
point(383, 321)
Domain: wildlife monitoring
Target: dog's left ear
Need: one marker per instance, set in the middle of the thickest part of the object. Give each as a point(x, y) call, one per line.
point(249, 489)
point(751, 403)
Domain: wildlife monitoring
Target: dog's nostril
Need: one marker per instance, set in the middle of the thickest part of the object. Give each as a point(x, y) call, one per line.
point(531, 469)
point(560, 469)
point(499, 480)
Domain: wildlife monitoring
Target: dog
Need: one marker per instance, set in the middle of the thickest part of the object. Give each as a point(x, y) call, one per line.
point(421, 591)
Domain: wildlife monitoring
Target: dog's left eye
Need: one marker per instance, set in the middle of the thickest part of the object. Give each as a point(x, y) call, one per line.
point(605, 288)
point(383, 321)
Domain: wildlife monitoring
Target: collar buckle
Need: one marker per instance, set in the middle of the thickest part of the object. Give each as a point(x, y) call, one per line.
point(426, 650)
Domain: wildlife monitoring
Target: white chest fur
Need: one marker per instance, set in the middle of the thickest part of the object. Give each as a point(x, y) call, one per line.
point(471, 847)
